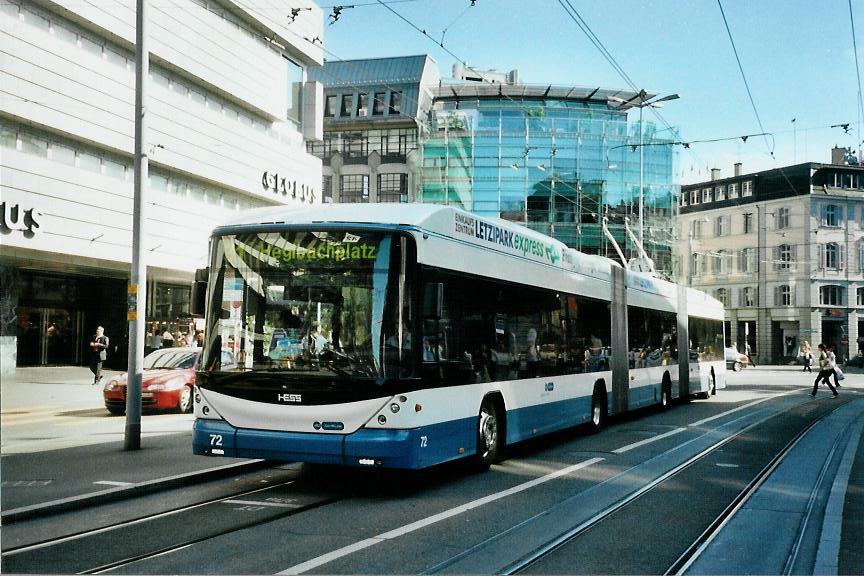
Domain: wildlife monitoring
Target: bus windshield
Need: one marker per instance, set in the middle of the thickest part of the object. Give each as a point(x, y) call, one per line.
point(328, 303)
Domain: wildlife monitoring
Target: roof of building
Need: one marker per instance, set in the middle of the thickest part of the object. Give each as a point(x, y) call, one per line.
point(621, 99)
point(372, 71)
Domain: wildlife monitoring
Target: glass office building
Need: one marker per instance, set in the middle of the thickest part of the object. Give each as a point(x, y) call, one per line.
point(559, 159)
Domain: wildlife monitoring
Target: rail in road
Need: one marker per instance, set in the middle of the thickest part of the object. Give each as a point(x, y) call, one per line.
point(652, 505)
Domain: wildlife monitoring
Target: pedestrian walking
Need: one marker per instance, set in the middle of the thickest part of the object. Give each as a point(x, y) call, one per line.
point(825, 371)
point(807, 356)
point(98, 353)
point(747, 353)
point(832, 361)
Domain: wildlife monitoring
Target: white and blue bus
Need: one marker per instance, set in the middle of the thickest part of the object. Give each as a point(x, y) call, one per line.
point(405, 336)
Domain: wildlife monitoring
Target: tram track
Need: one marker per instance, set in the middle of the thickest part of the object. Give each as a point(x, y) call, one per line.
point(531, 562)
point(96, 550)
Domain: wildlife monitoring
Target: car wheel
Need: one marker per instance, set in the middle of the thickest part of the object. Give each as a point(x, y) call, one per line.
point(116, 411)
point(489, 433)
point(737, 366)
point(184, 405)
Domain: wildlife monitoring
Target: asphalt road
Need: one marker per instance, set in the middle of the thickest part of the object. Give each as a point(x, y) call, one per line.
point(451, 519)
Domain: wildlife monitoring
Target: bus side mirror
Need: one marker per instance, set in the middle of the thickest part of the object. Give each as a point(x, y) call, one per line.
point(199, 292)
point(433, 300)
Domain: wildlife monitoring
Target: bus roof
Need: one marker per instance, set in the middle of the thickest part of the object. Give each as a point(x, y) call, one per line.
point(495, 234)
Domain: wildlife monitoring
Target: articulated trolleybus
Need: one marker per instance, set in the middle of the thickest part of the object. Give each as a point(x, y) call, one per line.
point(405, 336)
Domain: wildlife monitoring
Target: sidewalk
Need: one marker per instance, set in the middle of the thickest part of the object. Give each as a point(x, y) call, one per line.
point(62, 449)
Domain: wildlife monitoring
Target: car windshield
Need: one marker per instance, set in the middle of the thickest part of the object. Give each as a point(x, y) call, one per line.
point(170, 359)
point(306, 302)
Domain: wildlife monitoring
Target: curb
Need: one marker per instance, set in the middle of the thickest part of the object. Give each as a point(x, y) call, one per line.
point(114, 494)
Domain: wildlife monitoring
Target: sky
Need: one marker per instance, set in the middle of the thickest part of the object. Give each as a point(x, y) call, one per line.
point(797, 57)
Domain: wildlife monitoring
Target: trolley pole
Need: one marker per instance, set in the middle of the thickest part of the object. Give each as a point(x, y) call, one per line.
point(137, 292)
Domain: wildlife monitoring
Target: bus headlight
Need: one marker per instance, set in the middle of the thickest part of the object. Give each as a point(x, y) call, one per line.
point(382, 419)
point(394, 408)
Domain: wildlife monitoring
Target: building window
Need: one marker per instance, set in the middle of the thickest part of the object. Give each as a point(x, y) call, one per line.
point(748, 297)
point(694, 197)
point(696, 228)
point(782, 218)
point(747, 188)
point(395, 102)
point(747, 262)
point(720, 265)
point(362, 103)
point(831, 215)
point(355, 144)
point(378, 104)
point(684, 199)
point(330, 106)
point(327, 189)
point(859, 296)
point(784, 256)
point(831, 295)
point(355, 188)
point(784, 295)
point(733, 190)
point(719, 193)
point(393, 188)
point(833, 256)
point(706, 195)
point(722, 294)
point(345, 109)
point(748, 223)
point(722, 225)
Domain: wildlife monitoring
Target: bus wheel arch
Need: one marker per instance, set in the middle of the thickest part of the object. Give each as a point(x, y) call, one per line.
point(491, 429)
point(599, 406)
point(665, 391)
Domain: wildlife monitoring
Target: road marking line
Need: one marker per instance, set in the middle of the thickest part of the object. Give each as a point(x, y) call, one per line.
point(113, 483)
point(257, 503)
point(722, 414)
point(428, 521)
point(647, 441)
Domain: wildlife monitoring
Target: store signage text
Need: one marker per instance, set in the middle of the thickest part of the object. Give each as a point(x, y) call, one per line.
point(17, 218)
point(280, 185)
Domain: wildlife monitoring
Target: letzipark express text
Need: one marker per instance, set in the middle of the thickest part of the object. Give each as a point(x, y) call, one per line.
point(509, 239)
point(337, 252)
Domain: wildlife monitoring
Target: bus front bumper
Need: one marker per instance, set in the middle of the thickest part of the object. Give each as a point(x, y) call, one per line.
point(403, 448)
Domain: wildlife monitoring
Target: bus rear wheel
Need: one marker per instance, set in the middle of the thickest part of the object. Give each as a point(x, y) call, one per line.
point(598, 411)
point(489, 433)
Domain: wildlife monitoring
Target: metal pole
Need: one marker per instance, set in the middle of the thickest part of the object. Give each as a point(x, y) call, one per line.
point(137, 292)
point(641, 174)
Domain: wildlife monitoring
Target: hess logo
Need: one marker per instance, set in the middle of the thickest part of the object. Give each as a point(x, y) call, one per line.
point(296, 398)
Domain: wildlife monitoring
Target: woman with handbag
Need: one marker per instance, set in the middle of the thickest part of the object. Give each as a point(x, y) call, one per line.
point(825, 371)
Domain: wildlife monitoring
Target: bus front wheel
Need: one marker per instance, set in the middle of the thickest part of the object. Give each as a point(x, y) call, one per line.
point(489, 433)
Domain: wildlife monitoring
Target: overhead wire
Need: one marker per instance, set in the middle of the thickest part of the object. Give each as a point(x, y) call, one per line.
point(583, 25)
point(860, 137)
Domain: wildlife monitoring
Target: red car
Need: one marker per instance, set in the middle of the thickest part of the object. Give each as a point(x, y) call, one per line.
point(167, 383)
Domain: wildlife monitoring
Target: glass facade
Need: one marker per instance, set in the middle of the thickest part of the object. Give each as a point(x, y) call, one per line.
point(558, 165)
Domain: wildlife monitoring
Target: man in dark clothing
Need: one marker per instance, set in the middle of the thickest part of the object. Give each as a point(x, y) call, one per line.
point(98, 353)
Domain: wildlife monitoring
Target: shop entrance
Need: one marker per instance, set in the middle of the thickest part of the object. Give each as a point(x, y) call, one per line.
point(49, 336)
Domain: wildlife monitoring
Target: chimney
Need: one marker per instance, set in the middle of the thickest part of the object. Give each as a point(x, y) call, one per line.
point(737, 168)
point(715, 174)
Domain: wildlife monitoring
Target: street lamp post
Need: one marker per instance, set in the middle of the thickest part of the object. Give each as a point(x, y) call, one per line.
point(643, 102)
